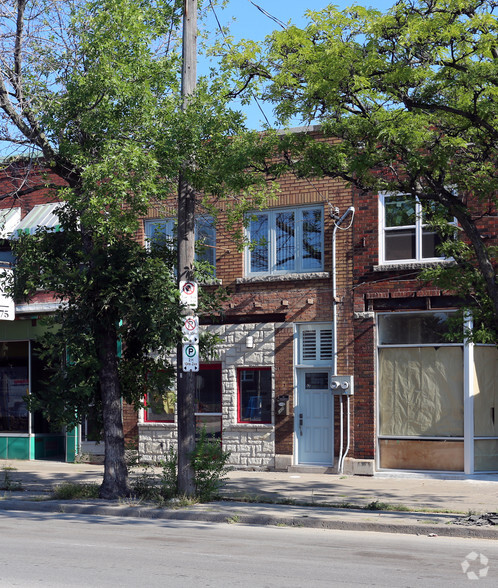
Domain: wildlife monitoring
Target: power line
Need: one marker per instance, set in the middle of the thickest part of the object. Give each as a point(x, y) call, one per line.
point(230, 50)
point(266, 13)
point(284, 26)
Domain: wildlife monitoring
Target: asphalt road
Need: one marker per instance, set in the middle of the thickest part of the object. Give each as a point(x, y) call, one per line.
point(45, 549)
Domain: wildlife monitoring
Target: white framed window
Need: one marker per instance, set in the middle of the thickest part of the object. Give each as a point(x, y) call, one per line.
point(285, 240)
point(404, 235)
point(315, 344)
point(157, 230)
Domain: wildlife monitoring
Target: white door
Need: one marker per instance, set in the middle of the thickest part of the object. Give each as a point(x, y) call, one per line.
point(313, 417)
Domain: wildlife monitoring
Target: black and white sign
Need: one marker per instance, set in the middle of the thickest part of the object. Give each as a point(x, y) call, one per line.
point(189, 294)
point(7, 306)
point(190, 329)
point(190, 357)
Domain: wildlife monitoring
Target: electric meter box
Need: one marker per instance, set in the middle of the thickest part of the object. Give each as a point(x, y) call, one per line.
point(343, 385)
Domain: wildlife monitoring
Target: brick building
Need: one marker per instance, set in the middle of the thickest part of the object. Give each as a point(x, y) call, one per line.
point(329, 287)
point(421, 402)
point(267, 394)
point(25, 435)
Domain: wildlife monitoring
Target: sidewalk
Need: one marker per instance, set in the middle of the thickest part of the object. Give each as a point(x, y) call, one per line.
point(317, 500)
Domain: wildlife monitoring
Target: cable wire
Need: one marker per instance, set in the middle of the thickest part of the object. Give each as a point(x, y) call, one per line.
point(231, 49)
point(266, 13)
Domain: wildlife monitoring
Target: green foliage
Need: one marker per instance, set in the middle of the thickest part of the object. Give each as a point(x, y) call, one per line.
point(410, 97)
point(209, 461)
point(8, 484)
point(131, 287)
point(144, 485)
point(75, 491)
point(376, 505)
point(168, 482)
point(91, 91)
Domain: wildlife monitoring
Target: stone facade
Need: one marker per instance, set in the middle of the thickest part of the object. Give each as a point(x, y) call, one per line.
point(251, 445)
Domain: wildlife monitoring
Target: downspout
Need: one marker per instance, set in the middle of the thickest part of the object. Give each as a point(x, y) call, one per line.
point(338, 222)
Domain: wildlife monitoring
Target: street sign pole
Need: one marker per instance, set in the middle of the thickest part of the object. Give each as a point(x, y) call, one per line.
point(186, 245)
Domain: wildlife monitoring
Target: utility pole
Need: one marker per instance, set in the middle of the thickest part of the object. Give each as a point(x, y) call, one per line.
point(186, 251)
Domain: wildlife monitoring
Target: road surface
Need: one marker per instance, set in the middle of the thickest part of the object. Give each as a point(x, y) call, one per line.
point(47, 549)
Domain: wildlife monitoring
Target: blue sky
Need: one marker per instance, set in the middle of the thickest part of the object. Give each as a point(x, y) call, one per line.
point(251, 23)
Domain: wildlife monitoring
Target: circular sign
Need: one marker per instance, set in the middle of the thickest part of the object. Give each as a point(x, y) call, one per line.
point(190, 351)
point(190, 324)
point(188, 288)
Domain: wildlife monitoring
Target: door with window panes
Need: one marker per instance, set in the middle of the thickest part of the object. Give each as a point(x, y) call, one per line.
point(314, 409)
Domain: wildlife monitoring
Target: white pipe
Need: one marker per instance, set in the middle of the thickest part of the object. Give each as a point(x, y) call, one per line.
point(341, 464)
point(341, 433)
point(337, 224)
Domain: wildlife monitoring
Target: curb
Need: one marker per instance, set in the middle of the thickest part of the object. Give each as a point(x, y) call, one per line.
point(236, 513)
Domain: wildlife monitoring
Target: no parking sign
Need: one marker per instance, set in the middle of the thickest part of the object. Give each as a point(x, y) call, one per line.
point(189, 293)
point(190, 329)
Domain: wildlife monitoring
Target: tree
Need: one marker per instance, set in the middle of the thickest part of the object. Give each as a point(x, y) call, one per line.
point(408, 100)
point(89, 92)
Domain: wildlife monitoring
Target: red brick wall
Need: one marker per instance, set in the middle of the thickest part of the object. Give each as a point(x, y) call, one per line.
point(284, 424)
point(130, 427)
point(383, 290)
point(15, 178)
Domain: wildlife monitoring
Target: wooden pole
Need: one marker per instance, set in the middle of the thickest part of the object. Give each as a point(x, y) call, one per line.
point(186, 251)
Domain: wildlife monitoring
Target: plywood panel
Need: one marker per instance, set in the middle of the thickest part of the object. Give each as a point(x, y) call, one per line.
point(402, 454)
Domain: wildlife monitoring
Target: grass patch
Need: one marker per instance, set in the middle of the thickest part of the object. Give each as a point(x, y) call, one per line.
point(182, 501)
point(8, 484)
point(376, 505)
point(75, 491)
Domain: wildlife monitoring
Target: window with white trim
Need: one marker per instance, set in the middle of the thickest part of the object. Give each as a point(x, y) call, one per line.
point(315, 344)
point(405, 236)
point(160, 230)
point(285, 240)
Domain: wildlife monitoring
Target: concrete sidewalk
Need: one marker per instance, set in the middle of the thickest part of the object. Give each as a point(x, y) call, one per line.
point(319, 500)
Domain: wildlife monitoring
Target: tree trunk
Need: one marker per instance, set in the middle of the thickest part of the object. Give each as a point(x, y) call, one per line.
point(115, 483)
point(484, 262)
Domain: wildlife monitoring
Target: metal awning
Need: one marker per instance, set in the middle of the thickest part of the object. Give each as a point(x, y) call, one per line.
point(42, 215)
point(9, 219)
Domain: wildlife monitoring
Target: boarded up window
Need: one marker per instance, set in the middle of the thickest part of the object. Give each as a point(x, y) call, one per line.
point(421, 391)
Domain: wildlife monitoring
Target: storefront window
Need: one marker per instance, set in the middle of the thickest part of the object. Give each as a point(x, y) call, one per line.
point(254, 395)
point(486, 408)
point(417, 328)
point(160, 407)
point(421, 393)
point(14, 386)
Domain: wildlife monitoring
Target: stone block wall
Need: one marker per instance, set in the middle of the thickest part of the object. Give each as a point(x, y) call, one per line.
point(251, 445)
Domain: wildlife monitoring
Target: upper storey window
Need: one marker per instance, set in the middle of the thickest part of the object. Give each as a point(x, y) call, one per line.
point(405, 235)
point(285, 240)
point(157, 230)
